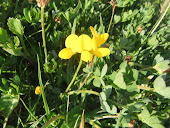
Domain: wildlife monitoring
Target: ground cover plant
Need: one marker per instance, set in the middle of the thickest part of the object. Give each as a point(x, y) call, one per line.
point(84, 63)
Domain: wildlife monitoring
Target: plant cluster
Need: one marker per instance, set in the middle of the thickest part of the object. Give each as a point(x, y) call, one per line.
point(84, 63)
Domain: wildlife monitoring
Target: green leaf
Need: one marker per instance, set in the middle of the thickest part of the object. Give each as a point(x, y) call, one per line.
point(15, 26)
point(160, 64)
point(159, 84)
point(117, 18)
point(73, 115)
point(97, 72)
point(119, 80)
point(108, 91)
point(152, 41)
point(165, 92)
point(27, 15)
point(16, 41)
point(123, 42)
point(158, 58)
point(123, 65)
point(163, 65)
point(104, 70)
point(103, 96)
point(107, 108)
point(132, 87)
point(156, 125)
point(3, 35)
point(135, 74)
point(15, 52)
point(113, 76)
point(145, 114)
point(97, 82)
point(152, 121)
point(7, 104)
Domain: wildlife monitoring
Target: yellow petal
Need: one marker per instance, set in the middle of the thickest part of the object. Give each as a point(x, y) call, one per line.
point(99, 39)
point(94, 44)
point(86, 56)
point(92, 30)
point(66, 53)
point(70, 40)
point(101, 52)
point(86, 41)
point(102, 38)
point(37, 90)
point(73, 42)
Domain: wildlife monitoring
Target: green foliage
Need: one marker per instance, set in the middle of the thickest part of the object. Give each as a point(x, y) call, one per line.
point(150, 120)
point(9, 46)
point(128, 87)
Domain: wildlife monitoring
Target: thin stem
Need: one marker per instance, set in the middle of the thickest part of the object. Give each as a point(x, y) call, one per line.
point(159, 21)
point(151, 67)
point(145, 88)
point(85, 80)
point(110, 22)
point(52, 119)
point(140, 65)
point(106, 117)
point(5, 123)
point(30, 111)
point(74, 77)
point(84, 91)
point(115, 103)
point(67, 110)
point(43, 33)
point(118, 121)
point(42, 89)
point(24, 47)
point(8, 72)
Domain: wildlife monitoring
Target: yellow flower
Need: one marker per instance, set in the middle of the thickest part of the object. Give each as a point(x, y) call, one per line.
point(77, 44)
point(85, 45)
point(37, 90)
point(97, 41)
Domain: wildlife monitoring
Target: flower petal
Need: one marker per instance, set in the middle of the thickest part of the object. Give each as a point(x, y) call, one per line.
point(66, 53)
point(37, 90)
point(70, 40)
point(92, 30)
point(103, 38)
point(101, 52)
point(73, 42)
point(99, 39)
point(86, 56)
point(86, 41)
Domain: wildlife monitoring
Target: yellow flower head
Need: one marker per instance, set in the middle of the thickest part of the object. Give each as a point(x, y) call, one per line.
point(85, 45)
point(37, 90)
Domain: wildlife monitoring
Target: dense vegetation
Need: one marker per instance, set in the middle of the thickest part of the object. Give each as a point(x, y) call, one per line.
point(125, 87)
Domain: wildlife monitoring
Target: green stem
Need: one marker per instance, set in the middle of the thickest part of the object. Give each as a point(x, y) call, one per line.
point(8, 72)
point(23, 44)
point(30, 111)
point(115, 103)
point(145, 88)
point(5, 123)
point(67, 109)
point(51, 120)
point(118, 121)
point(160, 19)
point(110, 22)
point(42, 89)
point(74, 77)
point(84, 91)
point(43, 33)
point(140, 65)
